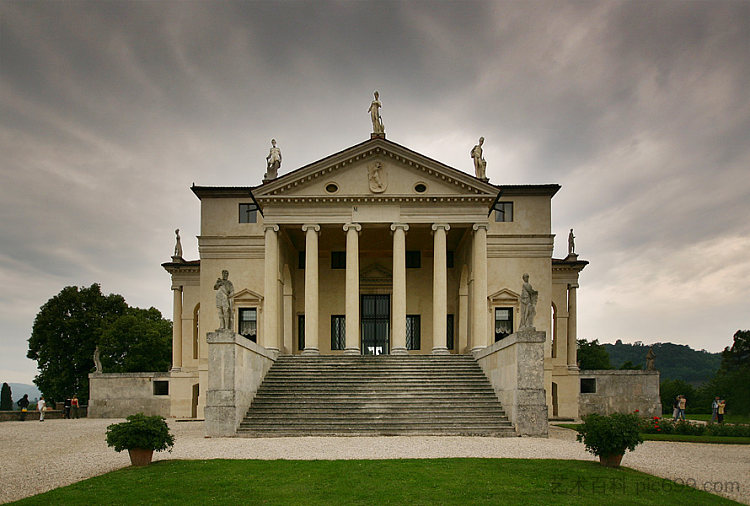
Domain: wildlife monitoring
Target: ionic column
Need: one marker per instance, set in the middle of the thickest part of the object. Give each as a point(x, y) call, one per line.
point(479, 335)
point(177, 328)
point(572, 309)
point(271, 289)
point(439, 290)
point(352, 288)
point(311, 289)
point(399, 289)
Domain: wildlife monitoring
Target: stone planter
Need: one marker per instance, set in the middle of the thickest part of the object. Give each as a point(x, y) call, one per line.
point(611, 460)
point(140, 456)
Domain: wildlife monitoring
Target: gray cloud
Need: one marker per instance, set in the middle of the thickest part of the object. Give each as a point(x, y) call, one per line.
point(639, 109)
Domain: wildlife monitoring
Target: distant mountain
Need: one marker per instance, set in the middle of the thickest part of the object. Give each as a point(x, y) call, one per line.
point(674, 361)
point(18, 389)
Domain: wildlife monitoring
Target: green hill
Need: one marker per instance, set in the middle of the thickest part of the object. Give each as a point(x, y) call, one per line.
point(674, 361)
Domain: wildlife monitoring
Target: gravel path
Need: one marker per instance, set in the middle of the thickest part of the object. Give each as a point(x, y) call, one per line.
point(37, 457)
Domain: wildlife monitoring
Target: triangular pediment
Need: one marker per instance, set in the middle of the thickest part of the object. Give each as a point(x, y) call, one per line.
point(505, 297)
point(375, 275)
point(376, 169)
point(246, 296)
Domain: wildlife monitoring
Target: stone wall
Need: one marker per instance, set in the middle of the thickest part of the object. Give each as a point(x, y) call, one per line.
point(621, 392)
point(515, 367)
point(117, 395)
point(236, 368)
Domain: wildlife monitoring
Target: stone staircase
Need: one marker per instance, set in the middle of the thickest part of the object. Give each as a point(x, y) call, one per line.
point(375, 396)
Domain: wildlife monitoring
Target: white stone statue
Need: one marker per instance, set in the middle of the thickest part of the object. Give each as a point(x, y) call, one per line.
point(177, 247)
point(273, 162)
point(480, 164)
point(97, 361)
point(571, 243)
point(224, 303)
point(529, 297)
point(377, 177)
point(377, 121)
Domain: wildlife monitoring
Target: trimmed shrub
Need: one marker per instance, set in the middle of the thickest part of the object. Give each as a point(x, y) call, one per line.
point(140, 431)
point(610, 435)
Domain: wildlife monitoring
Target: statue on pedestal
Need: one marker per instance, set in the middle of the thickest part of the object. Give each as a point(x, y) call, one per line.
point(224, 303)
point(571, 243)
point(529, 297)
point(97, 361)
point(377, 121)
point(480, 164)
point(273, 162)
point(650, 359)
point(177, 257)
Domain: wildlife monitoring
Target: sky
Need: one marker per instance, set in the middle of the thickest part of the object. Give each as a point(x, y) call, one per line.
point(109, 111)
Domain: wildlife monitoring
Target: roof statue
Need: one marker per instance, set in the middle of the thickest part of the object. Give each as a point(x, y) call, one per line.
point(572, 244)
point(480, 164)
point(177, 256)
point(378, 129)
point(273, 162)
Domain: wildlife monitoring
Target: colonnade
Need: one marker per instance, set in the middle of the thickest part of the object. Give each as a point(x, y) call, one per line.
point(272, 334)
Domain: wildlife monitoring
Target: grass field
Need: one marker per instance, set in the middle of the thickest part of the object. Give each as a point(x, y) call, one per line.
point(730, 440)
point(417, 481)
point(727, 418)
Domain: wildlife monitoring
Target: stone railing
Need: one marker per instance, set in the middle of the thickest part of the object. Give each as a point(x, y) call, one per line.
point(236, 368)
point(515, 368)
point(117, 395)
point(616, 391)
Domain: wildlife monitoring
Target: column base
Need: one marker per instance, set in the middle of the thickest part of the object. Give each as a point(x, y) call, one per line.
point(176, 369)
point(573, 368)
point(440, 350)
point(273, 349)
point(311, 352)
point(352, 351)
point(399, 351)
point(476, 349)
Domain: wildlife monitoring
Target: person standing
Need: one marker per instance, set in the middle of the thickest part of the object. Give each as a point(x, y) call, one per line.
point(41, 406)
point(683, 405)
point(74, 406)
point(676, 408)
point(66, 408)
point(715, 409)
point(23, 403)
point(721, 408)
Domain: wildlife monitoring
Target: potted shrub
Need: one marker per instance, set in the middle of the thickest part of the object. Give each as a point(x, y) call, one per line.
point(609, 436)
point(141, 435)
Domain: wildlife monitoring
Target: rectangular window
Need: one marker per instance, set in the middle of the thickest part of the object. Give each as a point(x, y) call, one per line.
point(338, 259)
point(301, 260)
point(248, 213)
point(450, 343)
point(338, 332)
point(413, 331)
point(503, 322)
point(588, 385)
point(248, 325)
point(504, 211)
point(161, 387)
point(301, 332)
point(449, 259)
point(414, 259)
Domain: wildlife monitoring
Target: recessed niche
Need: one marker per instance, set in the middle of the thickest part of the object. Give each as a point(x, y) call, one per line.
point(332, 187)
point(420, 187)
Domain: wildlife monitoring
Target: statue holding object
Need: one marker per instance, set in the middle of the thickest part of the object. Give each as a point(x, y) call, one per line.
point(480, 164)
point(529, 297)
point(273, 162)
point(224, 303)
point(377, 121)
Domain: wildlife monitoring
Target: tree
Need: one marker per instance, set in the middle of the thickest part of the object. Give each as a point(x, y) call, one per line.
point(669, 389)
point(66, 331)
point(138, 341)
point(6, 399)
point(629, 366)
point(592, 355)
point(732, 378)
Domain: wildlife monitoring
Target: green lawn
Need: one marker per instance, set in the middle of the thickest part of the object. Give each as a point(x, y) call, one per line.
point(418, 481)
point(730, 440)
point(727, 418)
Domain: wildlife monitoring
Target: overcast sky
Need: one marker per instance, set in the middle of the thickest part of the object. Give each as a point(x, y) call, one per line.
point(640, 110)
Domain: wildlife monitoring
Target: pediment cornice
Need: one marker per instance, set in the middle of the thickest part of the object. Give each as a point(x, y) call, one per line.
point(467, 186)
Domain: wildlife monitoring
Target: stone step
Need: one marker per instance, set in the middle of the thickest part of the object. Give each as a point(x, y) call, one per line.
point(359, 432)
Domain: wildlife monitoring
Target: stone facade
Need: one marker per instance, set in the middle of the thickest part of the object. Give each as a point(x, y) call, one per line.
point(376, 249)
point(606, 392)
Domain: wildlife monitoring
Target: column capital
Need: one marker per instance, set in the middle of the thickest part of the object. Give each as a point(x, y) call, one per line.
point(477, 226)
point(444, 226)
point(355, 226)
point(402, 226)
point(311, 226)
point(573, 286)
point(270, 226)
point(177, 288)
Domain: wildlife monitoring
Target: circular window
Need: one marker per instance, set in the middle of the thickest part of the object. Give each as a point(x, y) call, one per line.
point(420, 188)
point(332, 187)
